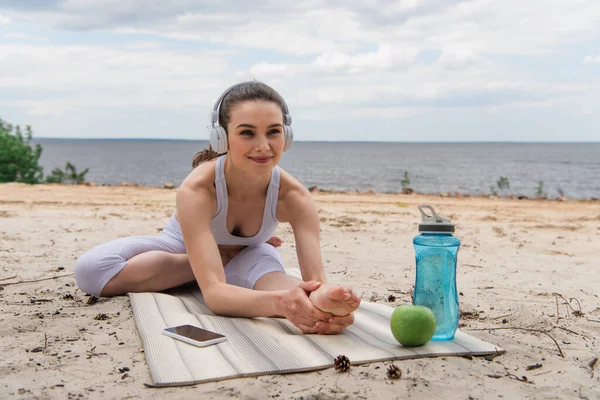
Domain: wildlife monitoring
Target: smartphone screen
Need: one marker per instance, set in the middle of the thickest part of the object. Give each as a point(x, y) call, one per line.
point(194, 333)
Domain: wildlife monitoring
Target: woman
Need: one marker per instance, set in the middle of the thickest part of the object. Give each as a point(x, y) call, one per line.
point(227, 210)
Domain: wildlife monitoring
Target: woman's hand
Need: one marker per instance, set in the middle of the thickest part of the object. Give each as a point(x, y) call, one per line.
point(297, 308)
point(275, 241)
point(335, 324)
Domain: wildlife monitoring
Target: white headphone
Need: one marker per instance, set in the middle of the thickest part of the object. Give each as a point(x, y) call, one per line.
point(218, 135)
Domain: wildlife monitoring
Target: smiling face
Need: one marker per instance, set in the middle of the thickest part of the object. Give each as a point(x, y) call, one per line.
point(255, 135)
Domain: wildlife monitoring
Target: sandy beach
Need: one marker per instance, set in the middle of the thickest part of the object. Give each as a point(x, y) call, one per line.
point(527, 274)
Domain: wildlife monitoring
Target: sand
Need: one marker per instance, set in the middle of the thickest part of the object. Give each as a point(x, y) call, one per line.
point(515, 255)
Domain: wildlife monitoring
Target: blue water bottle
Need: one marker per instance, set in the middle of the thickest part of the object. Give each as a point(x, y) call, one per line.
point(436, 251)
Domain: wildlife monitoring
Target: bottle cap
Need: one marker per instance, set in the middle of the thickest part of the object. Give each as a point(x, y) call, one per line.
point(433, 223)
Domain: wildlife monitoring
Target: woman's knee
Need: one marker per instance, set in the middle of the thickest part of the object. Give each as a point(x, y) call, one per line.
point(99, 265)
point(252, 263)
point(94, 269)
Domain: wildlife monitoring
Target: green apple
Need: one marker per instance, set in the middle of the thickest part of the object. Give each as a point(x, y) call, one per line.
point(412, 325)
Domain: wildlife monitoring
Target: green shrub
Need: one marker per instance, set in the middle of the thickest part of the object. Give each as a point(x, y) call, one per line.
point(502, 184)
point(18, 160)
point(539, 190)
point(405, 181)
point(70, 175)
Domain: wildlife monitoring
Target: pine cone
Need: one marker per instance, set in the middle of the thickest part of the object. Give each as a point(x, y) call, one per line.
point(394, 372)
point(342, 363)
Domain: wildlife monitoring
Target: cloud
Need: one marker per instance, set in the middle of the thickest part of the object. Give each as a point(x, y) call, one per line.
point(385, 58)
point(316, 27)
point(458, 58)
point(63, 67)
point(4, 20)
point(25, 37)
point(75, 78)
point(592, 60)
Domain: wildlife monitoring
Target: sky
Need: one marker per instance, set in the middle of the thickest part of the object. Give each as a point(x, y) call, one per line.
point(349, 70)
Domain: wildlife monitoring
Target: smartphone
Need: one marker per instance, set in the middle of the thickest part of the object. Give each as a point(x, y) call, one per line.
point(194, 335)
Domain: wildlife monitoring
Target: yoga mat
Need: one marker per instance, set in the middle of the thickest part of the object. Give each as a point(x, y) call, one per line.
point(260, 346)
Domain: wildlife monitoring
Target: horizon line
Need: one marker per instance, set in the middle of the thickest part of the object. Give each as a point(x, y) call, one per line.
point(330, 141)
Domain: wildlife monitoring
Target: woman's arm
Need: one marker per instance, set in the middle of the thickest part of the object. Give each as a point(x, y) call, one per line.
point(195, 212)
point(301, 212)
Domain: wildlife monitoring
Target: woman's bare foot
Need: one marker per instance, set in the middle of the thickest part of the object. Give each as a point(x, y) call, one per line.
point(335, 299)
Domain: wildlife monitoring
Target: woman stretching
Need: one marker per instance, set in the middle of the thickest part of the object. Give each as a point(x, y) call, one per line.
point(221, 233)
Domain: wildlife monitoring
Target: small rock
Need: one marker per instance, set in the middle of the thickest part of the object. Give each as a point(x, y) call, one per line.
point(169, 185)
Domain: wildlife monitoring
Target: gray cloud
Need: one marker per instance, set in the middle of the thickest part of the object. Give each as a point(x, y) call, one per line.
point(110, 14)
point(315, 27)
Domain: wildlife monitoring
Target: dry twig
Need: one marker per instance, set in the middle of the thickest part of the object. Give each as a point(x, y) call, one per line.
point(577, 313)
point(523, 329)
point(92, 353)
point(20, 330)
point(520, 379)
point(534, 366)
point(557, 311)
point(568, 330)
point(34, 280)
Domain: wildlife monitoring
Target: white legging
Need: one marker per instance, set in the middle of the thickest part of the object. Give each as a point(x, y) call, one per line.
point(96, 267)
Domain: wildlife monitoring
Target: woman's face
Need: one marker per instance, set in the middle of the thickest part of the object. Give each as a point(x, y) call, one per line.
point(255, 135)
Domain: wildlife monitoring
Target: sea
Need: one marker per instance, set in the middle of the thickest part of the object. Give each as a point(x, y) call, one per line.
point(550, 169)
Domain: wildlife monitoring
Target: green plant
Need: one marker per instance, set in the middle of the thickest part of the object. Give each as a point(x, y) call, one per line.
point(502, 183)
point(18, 160)
point(539, 190)
point(405, 181)
point(70, 174)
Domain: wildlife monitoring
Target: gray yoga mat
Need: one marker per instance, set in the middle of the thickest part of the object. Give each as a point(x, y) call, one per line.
point(260, 346)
